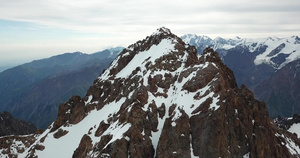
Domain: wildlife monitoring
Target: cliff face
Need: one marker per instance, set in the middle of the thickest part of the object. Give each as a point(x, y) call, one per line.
point(12, 126)
point(160, 99)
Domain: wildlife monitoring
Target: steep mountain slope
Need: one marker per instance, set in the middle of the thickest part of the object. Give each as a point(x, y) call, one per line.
point(2, 68)
point(282, 90)
point(160, 99)
point(12, 126)
point(33, 91)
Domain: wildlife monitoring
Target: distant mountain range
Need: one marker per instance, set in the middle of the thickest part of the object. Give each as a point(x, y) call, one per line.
point(33, 91)
point(268, 66)
point(2, 68)
point(282, 90)
point(272, 51)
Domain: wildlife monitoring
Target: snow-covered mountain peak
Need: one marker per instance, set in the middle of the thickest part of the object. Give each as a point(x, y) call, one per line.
point(162, 30)
point(193, 37)
point(163, 82)
point(160, 99)
point(279, 52)
point(220, 40)
point(146, 53)
point(133, 96)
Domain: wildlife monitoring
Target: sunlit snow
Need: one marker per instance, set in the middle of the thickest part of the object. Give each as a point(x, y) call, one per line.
point(66, 145)
point(156, 51)
point(295, 128)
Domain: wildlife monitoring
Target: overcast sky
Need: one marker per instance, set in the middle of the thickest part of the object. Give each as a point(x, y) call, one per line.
point(34, 29)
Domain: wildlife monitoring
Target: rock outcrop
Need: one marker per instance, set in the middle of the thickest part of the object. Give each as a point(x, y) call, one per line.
point(285, 122)
point(15, 135)
point(13, 126)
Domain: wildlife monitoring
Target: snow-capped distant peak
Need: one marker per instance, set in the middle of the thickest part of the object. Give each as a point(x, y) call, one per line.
point(279, 52)
point(273, 51)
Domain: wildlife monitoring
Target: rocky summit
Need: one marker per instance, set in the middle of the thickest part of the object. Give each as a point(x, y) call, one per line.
point(160, 99)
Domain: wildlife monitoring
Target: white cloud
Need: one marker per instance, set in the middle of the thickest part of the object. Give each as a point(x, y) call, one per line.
point(132, 16)
point(127, 21)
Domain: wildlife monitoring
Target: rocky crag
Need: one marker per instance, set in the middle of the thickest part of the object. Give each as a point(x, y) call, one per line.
point(287, 122)
point(159, 99)
point(267, 66)
point(12, 126)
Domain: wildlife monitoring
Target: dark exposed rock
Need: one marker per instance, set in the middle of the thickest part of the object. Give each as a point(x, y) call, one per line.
point(60, 133)
point(73, 111)
point(9, 144)
point(179, 145)
point(285, 123)
point(12, 126)
point(192, 58)
point(276, 50)
point(83, 148)
point(102, 127)
point(279, 59)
